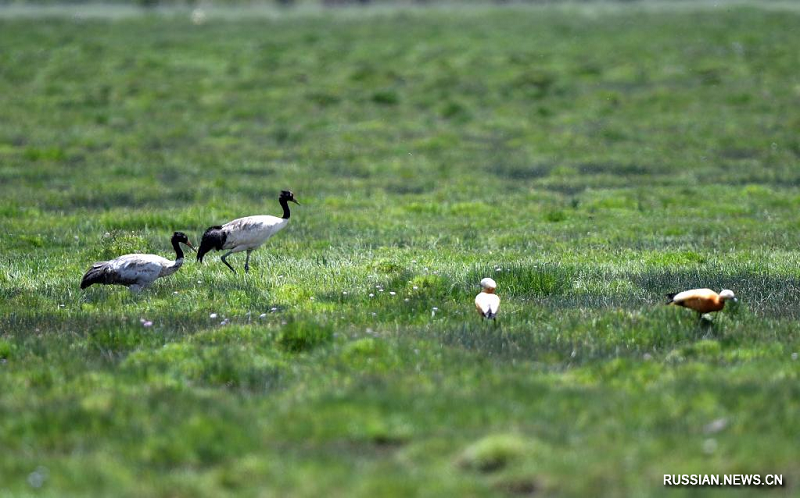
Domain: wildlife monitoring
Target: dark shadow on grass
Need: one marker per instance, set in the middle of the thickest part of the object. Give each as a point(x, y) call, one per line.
point(610, 168)
point(707, 327)
point(516, 172)
point(519, 280)
point(503, 340)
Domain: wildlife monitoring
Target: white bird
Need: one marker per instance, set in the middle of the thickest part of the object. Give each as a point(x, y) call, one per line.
point(136, 271)
point(487, 302)
point(245, 234)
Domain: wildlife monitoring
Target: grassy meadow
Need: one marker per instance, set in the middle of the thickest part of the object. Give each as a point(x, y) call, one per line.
point(589, 158)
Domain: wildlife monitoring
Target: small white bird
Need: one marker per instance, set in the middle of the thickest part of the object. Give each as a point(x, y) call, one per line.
point(701, 300)
point(245, 234)
point(136, 271)
point(487, 303)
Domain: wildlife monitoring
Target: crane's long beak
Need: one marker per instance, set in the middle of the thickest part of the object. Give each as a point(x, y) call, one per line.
point(295, 202)
point(191, 246)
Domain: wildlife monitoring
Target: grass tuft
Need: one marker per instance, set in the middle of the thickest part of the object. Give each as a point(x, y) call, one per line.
point(301, 336)
point(492, 453)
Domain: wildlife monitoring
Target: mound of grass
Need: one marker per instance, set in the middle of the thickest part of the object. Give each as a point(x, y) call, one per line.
point(492, 453)
point(301, 336)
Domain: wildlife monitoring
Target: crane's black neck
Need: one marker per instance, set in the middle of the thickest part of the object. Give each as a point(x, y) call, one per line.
point(178, 251)
point(285, 206)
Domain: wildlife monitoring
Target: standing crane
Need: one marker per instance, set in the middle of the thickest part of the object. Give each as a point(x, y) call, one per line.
point(245, 234)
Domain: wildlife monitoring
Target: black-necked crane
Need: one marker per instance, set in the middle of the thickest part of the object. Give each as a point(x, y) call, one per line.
point(136, 271)
point(245, 234)
point(487, 302)
point(701, 300)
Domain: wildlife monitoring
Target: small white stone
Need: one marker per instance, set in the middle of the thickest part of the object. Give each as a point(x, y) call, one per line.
point(213, 315)
point(709, 446)
point(38, 477)
point(715, 426)
point(198, 16)
point(392, 293)
point(262, 315)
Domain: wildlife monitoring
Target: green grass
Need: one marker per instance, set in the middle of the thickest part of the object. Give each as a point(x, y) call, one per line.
point(589, 159)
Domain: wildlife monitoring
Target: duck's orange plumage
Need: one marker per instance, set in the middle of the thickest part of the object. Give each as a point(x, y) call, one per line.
point(701, 300)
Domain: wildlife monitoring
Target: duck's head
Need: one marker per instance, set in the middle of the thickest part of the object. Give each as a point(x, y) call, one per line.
point(727, 295)
point(488, 285)
point(180, 237)
point(287, 195)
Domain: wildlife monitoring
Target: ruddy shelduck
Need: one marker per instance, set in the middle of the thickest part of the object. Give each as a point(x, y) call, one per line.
point(702, 300)
point(487, 303)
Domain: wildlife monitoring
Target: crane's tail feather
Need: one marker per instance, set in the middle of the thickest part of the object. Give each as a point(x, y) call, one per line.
point(95, 275)
point(213, 238)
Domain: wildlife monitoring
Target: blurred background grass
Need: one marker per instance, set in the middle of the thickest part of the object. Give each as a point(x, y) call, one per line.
point(590, 158)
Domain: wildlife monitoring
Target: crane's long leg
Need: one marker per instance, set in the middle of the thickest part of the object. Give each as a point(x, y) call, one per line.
point(224, 260)
point(141, 285)
point(247, 261)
